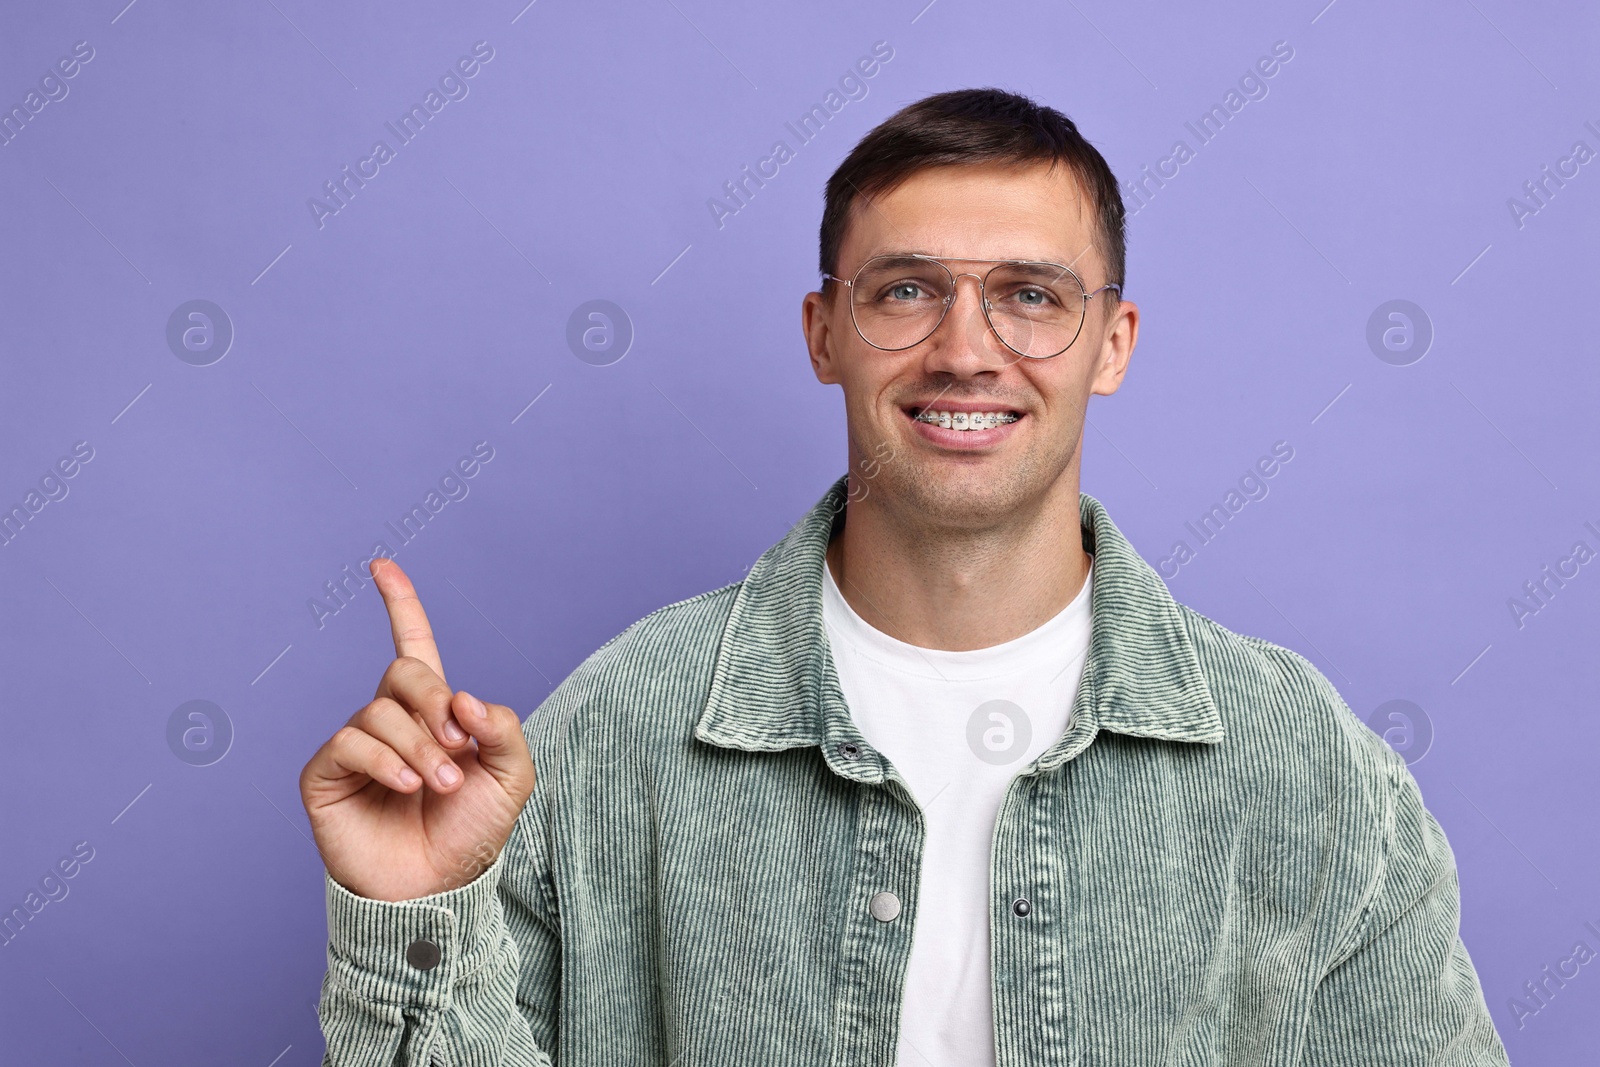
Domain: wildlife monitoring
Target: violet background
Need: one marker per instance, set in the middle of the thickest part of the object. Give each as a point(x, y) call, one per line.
point(371, 353)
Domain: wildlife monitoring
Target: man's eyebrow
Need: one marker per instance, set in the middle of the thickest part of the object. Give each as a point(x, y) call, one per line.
point(902, 255)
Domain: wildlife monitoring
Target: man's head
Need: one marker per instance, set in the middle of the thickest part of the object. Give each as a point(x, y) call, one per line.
point(974, 174)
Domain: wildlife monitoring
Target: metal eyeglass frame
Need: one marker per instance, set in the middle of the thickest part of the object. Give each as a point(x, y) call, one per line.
point(982, 293)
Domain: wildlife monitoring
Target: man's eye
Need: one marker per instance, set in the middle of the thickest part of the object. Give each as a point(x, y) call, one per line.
point(904, 291)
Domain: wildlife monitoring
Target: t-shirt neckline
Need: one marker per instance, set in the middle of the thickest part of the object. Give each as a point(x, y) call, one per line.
point(1045, 642)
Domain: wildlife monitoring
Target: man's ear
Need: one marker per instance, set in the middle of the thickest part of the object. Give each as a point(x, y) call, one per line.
point(1116, 349)
point(814, 322)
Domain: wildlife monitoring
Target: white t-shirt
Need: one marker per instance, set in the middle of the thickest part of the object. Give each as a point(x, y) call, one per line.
point(958, 726)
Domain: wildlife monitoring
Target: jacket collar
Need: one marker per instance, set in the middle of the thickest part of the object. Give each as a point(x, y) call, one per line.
point(774, 685)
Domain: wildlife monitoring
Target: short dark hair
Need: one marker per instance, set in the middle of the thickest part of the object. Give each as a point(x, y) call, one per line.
point(969, 126)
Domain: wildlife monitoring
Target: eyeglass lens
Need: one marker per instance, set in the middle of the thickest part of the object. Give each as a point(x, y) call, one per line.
point(1036, 308)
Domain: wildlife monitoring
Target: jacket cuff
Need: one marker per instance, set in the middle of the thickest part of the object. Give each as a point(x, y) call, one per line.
point(414, 952)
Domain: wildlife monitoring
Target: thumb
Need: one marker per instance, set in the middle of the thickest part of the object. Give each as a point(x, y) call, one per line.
point(502, 749)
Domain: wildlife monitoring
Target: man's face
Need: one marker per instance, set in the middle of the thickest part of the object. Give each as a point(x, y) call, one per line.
point(971, 478)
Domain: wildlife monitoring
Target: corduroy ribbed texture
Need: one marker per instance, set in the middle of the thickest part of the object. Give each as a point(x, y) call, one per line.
point(1224, 865)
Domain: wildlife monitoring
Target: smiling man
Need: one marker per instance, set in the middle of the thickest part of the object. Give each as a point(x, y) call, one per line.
point(948, 779)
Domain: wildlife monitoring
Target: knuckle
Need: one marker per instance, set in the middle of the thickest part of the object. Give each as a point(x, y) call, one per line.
point(413, 672)
point(393, 673)
point(424, 751)
point(346, 738)
point(374, 713)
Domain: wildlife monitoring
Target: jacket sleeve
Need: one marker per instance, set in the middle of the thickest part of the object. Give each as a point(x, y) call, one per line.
point(491, 1000)
point(1405, 991)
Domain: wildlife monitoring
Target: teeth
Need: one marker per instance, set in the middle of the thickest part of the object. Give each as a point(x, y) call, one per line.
point(966, 420)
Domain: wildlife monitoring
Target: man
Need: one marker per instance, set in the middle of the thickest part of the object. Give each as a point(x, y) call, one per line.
point(949, 778)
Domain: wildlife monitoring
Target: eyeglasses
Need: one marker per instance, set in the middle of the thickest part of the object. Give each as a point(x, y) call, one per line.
point(1035, 307)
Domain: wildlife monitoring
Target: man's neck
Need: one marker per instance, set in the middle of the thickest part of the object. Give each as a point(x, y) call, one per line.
point(964, 588)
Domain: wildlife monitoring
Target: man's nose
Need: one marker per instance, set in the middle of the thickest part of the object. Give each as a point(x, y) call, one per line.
point(964, 344)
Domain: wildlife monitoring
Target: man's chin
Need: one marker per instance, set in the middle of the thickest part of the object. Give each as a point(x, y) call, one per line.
point(964, 491)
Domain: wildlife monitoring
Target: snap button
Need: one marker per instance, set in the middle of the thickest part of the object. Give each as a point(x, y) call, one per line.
point(423, 954)
point(1020, 907)
point(885, 907)
point(850, 750)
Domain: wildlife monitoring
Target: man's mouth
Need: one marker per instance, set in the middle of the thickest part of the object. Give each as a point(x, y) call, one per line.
point(964, 420)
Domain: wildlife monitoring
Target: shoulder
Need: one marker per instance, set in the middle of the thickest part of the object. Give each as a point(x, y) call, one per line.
point(682, 635)
point(613, 707)
point(658, 667)
point(1286, 726)
point(1264, 687)
point(1315, 782)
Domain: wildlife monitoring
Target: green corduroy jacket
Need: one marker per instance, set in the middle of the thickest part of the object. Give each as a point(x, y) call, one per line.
point(1221, 864)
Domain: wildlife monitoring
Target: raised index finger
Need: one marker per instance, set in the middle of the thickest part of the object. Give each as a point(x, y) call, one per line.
point(407, 621)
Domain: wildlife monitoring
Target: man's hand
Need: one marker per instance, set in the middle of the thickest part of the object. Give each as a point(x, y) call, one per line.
point(418, 792)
